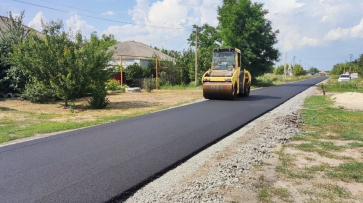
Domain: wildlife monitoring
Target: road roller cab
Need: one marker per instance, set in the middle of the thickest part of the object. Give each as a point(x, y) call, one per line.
point(226, 79)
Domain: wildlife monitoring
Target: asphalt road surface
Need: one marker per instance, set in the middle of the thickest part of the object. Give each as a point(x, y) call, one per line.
point(99, 163)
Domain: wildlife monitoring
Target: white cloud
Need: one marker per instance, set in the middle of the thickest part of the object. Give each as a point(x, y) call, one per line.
point(121, 32)
point(308, 41)
point(77, 24)
point(282, 6)
point(324, 18)
point(108, 13)
point(342, 33)
point(168, 13)
point(36, 23)
point(306, 23)
point(177, 14)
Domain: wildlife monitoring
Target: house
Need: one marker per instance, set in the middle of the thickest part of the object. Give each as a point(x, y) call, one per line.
point(4, 27)
point(136, 52)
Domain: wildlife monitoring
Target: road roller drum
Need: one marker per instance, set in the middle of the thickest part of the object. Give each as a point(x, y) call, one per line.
point(226, 79)
point(218, 90)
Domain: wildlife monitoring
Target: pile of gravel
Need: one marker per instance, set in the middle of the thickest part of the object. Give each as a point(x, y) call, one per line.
point(221, 166)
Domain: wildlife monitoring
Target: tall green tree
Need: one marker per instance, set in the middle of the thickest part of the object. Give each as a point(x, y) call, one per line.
point(243, 25)
point(71, 67)
point(208, 39)
point(11, 77)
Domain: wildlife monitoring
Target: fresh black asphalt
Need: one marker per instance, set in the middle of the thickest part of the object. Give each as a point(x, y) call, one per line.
point(99, 163)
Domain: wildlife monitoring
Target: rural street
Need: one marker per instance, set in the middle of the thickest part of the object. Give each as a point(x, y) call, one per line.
point(99, 163)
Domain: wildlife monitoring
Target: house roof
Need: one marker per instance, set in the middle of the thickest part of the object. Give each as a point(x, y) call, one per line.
point(4, 27)
point(132, 49)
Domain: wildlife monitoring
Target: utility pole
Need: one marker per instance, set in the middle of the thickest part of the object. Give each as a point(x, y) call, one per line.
point(156, 72)
point(285, 66)
point(196, 56)
point(293, 62)
point(121, 72)
point(350, 64)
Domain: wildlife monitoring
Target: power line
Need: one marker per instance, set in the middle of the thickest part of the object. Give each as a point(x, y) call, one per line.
point(99, 18)
point(169, 39)
point(80, 9)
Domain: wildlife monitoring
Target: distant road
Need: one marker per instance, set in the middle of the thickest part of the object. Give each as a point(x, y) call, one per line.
point(98, 163)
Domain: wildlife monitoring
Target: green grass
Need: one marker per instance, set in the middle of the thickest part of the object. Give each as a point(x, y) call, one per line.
point(348, 172)
point(356, 145)
point(272, 79)
point(334, 86)
point(322, 148)
point(267, 191)
point(321, 119)
point(323, 122)
point(180, 87)
point(32, 124)
point(287, 166)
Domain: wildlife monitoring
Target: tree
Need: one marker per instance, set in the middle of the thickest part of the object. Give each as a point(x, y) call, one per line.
point(11, 77)
point(243, 25)
point(280, 70)
point(71, 67)
point(186, 62)
point(314, 70)
point(133, 74)
point(107, 41)
point(208, 39)
point(298, 70)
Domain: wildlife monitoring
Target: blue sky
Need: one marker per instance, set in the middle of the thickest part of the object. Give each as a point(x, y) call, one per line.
point(318, 33)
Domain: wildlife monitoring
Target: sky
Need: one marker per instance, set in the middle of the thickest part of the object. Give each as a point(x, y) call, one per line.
point(314, 33)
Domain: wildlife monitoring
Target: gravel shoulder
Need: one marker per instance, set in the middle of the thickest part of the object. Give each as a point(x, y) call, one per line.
point(221, 172)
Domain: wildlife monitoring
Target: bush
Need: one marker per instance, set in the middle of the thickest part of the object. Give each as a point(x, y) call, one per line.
point(113, 85)
point(98, 100)
point(133, 74)
point(38, 93)
point(149, 84)
point(298, 70)
point(280, 70)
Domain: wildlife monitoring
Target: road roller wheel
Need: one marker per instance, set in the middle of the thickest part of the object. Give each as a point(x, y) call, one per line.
point(247, 90)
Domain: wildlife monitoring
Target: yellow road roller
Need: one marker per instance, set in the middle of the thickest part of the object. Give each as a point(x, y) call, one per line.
point(226, 79)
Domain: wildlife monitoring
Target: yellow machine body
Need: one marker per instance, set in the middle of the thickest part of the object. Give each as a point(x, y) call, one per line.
point(226, 79)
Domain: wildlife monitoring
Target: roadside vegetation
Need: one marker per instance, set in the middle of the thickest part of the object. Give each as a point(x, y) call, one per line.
point(323, 163)
point(275, 79)
point(333, 85)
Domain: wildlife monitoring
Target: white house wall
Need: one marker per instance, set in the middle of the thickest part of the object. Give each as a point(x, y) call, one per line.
point(129, 62)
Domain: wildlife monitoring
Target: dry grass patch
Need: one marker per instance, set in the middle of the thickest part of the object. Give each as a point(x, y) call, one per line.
point(19, 119)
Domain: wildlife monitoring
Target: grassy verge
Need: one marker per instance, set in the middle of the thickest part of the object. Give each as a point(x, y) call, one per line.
point(19, 124)
point(352, 86)
point(324, 162)
point(272, 79)
point(180, 87)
